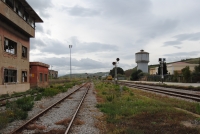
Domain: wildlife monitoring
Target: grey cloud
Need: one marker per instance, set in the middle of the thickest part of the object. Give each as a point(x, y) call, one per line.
point(49, 45)
point(183, 37)
point(180, 55)
point(192, 53)
point(83, 64)
point(39, 28)
point(172, 43)
point(35, 43)
point(177, 47)
point(40, 6)
point(190, 37)
point(159, 28)
point(121, 8)
point(81, 11)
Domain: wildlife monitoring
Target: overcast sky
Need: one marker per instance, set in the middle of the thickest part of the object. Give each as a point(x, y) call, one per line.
point(102, 30)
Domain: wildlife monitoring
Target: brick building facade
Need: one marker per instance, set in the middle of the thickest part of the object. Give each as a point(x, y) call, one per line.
point(17, 26)
point(38, 74)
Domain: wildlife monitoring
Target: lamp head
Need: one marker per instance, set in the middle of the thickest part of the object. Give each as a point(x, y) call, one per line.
point(114, 63)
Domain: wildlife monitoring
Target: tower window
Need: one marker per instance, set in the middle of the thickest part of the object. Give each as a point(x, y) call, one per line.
point(10, 46)
point(24, 52)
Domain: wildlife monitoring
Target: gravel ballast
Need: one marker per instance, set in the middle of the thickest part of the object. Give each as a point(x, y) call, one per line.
point(52, 121)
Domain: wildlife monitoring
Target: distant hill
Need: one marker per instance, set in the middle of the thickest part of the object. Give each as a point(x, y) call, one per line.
point(84, 75)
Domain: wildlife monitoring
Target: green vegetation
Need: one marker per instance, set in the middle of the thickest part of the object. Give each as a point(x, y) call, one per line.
point(119, 71)
point(135, 111)
point(136, 74)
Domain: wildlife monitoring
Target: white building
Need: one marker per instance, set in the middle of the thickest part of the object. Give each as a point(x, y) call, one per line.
point(142, 60)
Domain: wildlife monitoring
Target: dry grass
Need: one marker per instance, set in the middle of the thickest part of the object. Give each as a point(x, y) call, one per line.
point(70, 97)
point(101, 123)
point(78, 122)
point(41, 106)
point(35, 126)
point(53, 131)
point(64, 122)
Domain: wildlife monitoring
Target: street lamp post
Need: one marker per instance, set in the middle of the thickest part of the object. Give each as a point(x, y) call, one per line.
point(115, 64)
point(70, 46)
point(161, 60)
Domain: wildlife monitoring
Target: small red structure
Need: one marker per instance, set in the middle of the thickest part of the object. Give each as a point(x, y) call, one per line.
point(38, 74)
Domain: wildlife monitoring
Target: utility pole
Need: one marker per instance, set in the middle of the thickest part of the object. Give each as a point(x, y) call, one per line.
point(70, 46)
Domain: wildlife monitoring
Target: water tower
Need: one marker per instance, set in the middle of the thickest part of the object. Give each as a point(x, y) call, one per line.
point(142, 60)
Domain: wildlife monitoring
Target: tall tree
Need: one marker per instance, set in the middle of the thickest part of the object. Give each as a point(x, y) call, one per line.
point(186, 73)
point(135, 74)
point(119, 71)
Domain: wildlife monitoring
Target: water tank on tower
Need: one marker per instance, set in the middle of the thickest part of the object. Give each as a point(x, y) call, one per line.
point(142, 60)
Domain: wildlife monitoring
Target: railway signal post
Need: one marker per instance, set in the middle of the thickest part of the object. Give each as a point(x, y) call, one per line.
point(115, 64)
point(161, 60)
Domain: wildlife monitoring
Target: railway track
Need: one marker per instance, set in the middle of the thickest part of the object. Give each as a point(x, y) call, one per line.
point(186, 94)
point(57, 108)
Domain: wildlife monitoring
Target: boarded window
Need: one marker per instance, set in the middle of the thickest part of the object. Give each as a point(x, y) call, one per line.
point(24, 76)
point(10, 75)
point(40, 77)
point(45, 77)
point(10, 46)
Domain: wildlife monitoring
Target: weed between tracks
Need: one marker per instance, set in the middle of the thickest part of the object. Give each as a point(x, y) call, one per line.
point(132, 111)
point(18, 110)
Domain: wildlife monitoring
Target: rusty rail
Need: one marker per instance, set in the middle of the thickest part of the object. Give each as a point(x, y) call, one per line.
point(73, 118)
point(171, 92)
point(44, 111)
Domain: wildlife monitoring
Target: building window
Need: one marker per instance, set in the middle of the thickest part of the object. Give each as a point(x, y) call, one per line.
point(24, 52)
point(45, 77)
point(24, 76)
point(40, 77)
point(10, 46)
point(10, 3)
point(10, 75)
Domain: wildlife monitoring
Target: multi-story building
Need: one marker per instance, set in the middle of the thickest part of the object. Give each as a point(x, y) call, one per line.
point(17, 26)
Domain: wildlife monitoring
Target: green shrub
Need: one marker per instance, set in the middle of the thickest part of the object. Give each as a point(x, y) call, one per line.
point(4, 95)
point(20, 114)
point(104, 93)
point(3, 120)
point(25, 103)
point(38, 97)
point(50, 92)
point(110, 98)
point(131, 93)
point(198, 108)
point(125, 88)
